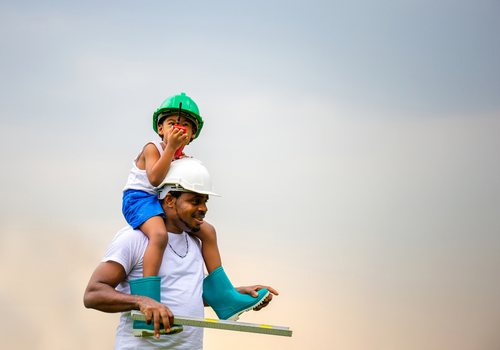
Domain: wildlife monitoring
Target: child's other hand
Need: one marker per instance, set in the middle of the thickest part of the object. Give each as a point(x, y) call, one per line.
point(175, 138)
point(183, 155)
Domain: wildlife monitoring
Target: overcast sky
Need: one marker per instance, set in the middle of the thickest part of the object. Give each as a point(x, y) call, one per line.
point(355, 145)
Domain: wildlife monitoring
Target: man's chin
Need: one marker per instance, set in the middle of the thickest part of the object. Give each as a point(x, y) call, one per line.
point(196, 226)
point(195, 229)
point(192, 228)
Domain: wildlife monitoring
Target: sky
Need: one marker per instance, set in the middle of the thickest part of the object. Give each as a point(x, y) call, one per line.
point(355, 146)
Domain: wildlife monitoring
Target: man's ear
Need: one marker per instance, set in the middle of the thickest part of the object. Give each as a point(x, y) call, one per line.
point(170, 200)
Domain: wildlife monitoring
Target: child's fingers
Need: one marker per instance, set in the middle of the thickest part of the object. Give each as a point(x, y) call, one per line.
point(179, 133)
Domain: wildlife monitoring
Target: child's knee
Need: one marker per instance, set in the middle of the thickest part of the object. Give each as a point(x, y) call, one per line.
point(207, 233)
point(158, 237)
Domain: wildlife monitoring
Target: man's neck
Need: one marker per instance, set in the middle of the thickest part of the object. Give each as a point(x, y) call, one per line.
point(172, 228)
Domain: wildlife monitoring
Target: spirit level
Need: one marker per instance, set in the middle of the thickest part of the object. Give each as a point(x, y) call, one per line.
point(223, 324)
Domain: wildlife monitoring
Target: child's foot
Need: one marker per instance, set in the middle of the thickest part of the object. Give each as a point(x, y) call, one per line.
point(226, 301)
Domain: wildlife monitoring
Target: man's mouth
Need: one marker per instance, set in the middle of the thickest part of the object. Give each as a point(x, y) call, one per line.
point(199, 219)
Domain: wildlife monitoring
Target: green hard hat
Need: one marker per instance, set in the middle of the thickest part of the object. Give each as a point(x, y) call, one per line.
point(189, 107)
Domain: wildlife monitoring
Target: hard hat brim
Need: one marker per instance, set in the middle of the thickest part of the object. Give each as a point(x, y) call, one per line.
point(163, 189)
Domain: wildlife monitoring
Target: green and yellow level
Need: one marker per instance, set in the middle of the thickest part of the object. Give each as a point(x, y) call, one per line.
point(223, 324)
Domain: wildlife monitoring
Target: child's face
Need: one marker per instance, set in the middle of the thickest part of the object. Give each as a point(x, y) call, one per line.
point(170, 120)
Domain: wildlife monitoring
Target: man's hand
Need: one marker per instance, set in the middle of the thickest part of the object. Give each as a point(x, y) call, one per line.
point(102, 295)
point(252, 290)
point(157, 313)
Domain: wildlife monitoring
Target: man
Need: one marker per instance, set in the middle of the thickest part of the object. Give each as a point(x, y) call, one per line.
point(184, 202)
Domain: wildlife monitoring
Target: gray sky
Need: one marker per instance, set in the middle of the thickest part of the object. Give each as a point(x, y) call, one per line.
point(355, 145)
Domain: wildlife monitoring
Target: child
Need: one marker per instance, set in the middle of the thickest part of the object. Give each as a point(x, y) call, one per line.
point(140, 204)
point(143, 211)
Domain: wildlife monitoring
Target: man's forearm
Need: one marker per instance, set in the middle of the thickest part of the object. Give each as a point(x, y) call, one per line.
point(103, 297)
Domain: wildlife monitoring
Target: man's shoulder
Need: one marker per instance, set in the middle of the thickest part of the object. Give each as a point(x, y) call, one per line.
point(128, 230)
point(127, 247)
point(129, 234)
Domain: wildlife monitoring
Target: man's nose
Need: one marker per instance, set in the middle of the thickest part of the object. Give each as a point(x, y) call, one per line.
point(203, 207)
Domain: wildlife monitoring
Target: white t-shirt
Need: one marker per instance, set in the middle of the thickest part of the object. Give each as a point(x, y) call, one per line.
point(181, 286)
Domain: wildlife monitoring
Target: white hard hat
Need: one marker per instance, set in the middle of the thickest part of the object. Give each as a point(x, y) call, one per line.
point(187, 175)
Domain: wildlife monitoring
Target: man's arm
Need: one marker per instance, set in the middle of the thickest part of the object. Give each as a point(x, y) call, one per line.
point(102, 295)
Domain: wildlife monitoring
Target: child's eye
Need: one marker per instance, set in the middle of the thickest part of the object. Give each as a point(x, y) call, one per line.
point(171, 123)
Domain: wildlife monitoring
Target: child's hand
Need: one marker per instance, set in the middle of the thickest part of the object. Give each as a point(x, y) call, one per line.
point(183, 155)
point(175, 138)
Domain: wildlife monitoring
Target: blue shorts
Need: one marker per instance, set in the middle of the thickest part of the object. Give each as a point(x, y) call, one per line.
point(138, 206)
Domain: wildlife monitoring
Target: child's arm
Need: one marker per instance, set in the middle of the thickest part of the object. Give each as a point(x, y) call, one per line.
point(157, 166)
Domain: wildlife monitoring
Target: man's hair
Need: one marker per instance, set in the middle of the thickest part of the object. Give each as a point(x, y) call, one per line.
point(175, 194)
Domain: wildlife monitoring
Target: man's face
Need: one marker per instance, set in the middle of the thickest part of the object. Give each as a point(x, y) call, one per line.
point(190, 209)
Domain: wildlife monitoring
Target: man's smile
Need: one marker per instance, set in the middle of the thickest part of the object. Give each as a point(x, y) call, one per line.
point(198, 218)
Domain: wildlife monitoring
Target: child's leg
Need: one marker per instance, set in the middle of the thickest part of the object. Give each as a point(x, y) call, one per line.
point(218, 291)
point(209, 247)
point(154, 229)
